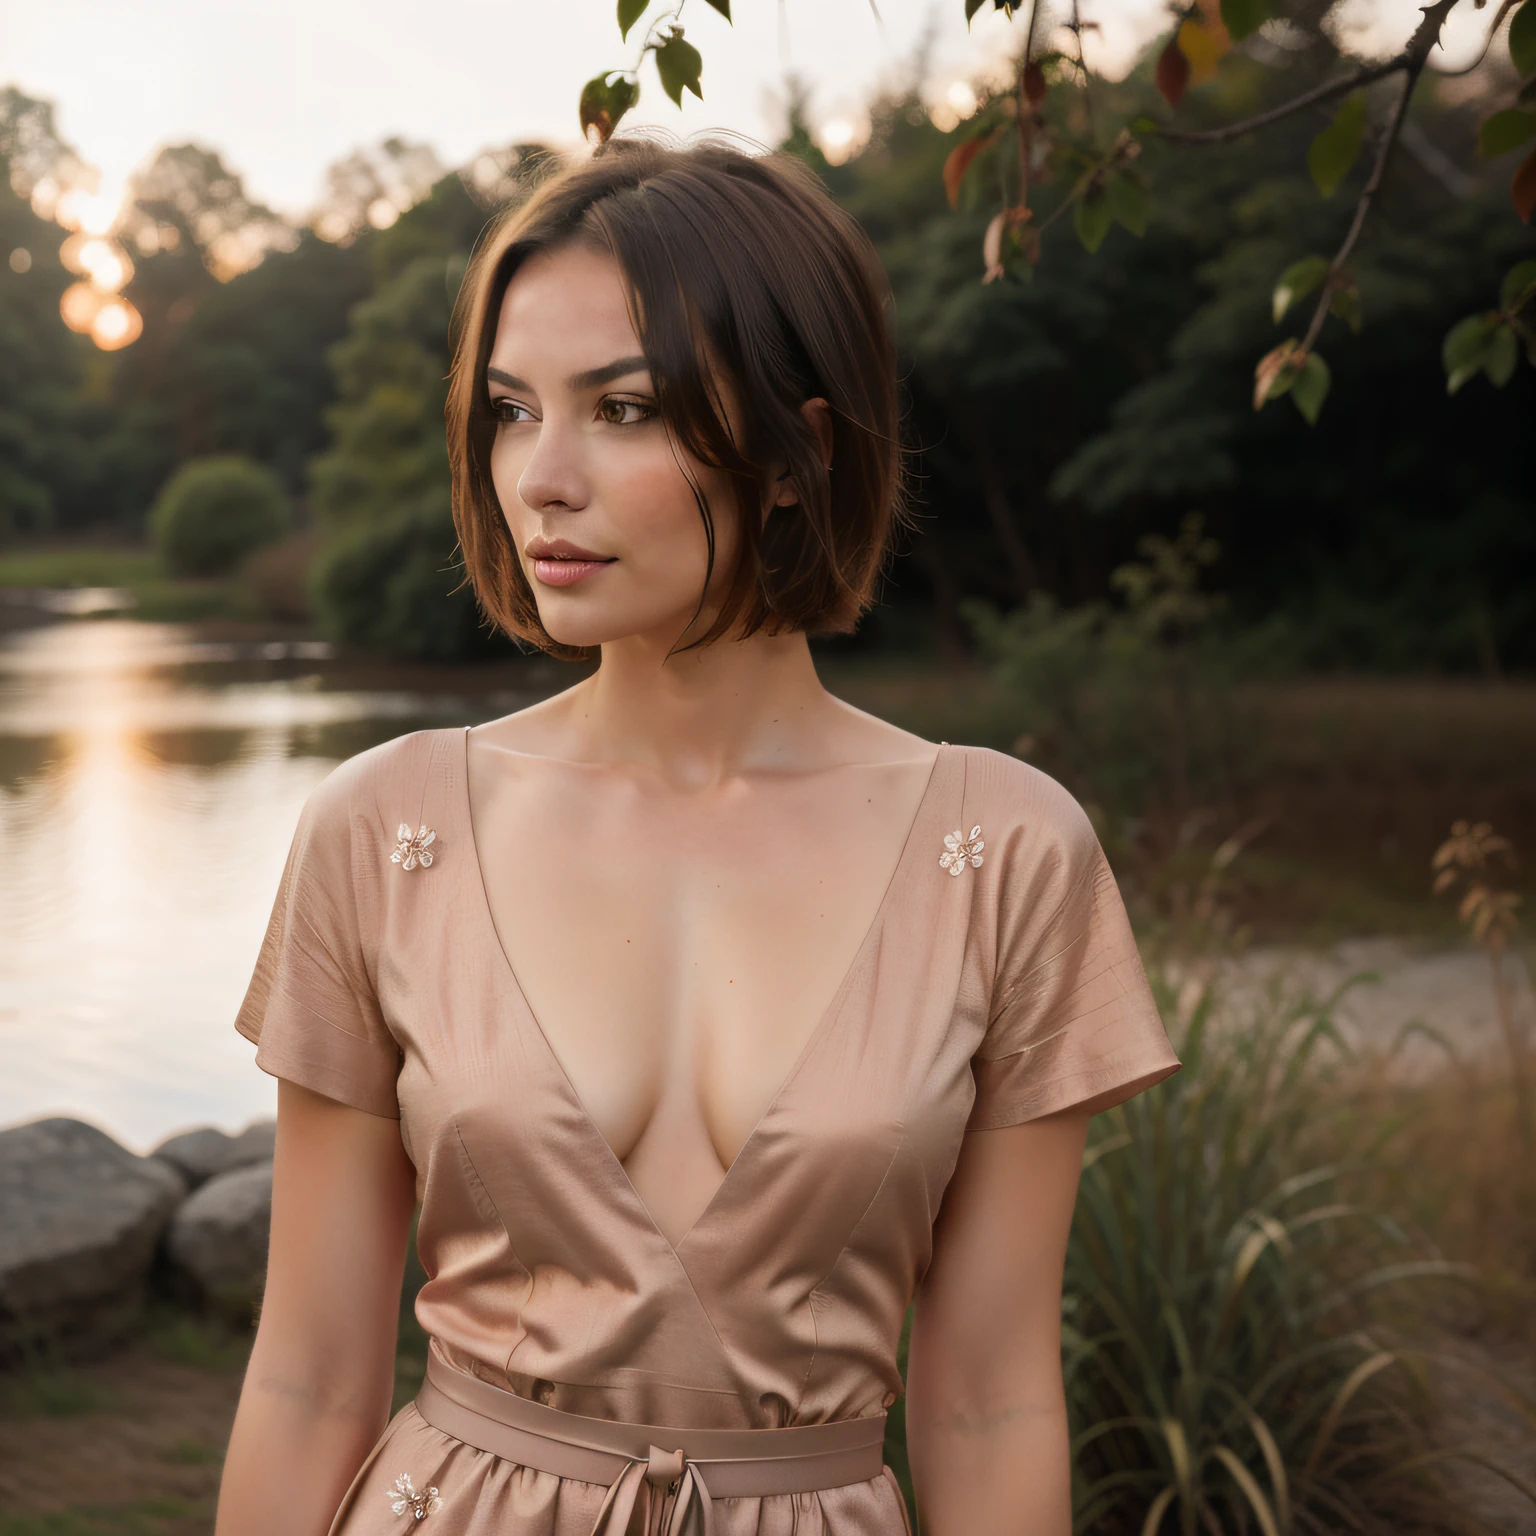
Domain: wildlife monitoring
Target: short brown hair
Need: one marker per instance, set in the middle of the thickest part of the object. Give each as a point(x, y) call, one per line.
point(733, 261)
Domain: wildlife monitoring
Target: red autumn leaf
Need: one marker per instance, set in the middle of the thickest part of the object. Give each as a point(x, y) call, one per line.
point(1522, 190)
point(958, 162)
point(1172, 72)
point(1034, 83)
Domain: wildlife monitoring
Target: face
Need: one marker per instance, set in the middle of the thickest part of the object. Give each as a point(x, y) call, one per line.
point(591, 485)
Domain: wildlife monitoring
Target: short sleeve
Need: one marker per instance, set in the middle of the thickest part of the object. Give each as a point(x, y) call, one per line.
point(311, 1007)
point(1073, 1019)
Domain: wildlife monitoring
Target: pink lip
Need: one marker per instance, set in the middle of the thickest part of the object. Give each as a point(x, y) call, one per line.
point(566, 573)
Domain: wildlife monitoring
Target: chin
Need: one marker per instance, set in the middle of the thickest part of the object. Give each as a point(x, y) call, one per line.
point(603, 624)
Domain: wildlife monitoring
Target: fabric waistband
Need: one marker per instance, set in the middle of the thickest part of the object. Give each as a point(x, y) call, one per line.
point(672, 1472)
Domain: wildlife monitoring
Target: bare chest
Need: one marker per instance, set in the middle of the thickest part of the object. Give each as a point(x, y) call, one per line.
point(679, 950)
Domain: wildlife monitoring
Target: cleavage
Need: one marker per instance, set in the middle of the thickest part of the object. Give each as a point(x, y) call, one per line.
point(678, 953)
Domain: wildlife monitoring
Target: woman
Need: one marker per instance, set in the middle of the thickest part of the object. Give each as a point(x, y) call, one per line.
point(682, 998)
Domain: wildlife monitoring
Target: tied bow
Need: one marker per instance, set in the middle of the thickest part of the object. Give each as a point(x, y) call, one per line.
point(691, 1511)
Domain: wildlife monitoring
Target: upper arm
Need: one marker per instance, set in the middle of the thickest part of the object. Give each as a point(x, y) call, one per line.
point(343, 1191)
point(987, 1325)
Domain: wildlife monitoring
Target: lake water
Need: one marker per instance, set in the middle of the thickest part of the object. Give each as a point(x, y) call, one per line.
point(150, 784)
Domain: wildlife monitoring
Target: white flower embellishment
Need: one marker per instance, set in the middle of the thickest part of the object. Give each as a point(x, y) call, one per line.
point(405, 1500)
point(413, 848)
point(961, 851)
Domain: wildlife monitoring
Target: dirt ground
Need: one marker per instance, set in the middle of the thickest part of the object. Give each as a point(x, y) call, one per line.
point(131, 1444)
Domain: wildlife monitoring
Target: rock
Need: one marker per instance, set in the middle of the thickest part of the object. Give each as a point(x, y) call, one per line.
point(203, 1154)
point(79, 1220)
point(219, 1236)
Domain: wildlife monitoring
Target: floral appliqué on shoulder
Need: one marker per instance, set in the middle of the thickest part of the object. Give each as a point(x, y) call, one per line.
point(413, 848)
point(961, 852)
point(404, 1499)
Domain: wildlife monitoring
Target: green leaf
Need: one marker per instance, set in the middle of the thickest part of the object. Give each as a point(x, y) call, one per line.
point(1129, 201)
point(1310, 388)
point(1522, 39)
point(1337, 147)
point(1518, 288)
point(1144, 124)
point(1240, 17)
point(1091, 218)
point(680, 66)
point(605, 98)
point(1345, 303)
point(1464, 350)
point(1505, 131)
point(1297, 281)
point(723, 6)
point(630, 11)
point(1503, 354)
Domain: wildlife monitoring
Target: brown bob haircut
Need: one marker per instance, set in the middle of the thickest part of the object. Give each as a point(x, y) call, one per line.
point(733, 262)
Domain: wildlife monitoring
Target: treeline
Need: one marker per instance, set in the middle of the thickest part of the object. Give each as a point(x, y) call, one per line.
point(1053, 422)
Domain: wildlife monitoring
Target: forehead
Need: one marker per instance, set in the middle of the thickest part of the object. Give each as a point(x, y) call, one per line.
point(566, 305)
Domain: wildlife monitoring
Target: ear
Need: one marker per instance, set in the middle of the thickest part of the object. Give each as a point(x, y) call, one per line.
point(818, 417)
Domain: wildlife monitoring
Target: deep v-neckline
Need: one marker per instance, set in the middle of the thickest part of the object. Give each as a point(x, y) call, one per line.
point(909, 851)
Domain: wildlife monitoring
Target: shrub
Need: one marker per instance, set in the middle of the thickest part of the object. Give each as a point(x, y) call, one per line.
point(1244, 1330)
point(391, 584)
point(213, 512)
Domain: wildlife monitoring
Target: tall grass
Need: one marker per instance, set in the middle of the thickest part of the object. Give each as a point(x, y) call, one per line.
point(1248, 1339)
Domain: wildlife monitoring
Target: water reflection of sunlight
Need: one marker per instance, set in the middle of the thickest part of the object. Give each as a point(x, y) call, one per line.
point(146, 812)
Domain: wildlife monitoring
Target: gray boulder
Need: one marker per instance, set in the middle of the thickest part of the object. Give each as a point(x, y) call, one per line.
point(219, 1236)
point(204, 1154)
point(79, 1220)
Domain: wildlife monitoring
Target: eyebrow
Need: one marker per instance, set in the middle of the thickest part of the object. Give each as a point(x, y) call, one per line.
point(591, 379)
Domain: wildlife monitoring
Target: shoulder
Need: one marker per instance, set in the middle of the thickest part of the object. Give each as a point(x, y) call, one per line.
point(1025, 800)
point(379, 785)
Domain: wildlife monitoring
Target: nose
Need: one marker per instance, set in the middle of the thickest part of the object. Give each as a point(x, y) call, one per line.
point(554, 478)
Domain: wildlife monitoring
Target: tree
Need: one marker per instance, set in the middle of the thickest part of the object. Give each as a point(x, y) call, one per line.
point(41, 363)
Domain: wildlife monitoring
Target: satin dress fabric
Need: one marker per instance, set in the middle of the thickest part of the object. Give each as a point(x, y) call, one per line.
point(975, 1000)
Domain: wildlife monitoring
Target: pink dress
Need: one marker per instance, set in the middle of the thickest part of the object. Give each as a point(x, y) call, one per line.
point(979, 998)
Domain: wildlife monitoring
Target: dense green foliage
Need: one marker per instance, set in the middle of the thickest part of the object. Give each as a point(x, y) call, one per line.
point(214, 511)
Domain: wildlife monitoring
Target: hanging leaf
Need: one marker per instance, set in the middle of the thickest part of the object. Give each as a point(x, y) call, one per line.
point(1129, 200)
point(630, 11)
point(1274, 373)
point(1091, 218)
point(1172, 72)
point(1345, 303)
point(992, 249)
point(1505, 131)
point(1310, 388)
point(1034, 83)
point(1518, 288)
point(1337, 147)
point(971, 7)
point(1203, 45)
point(1297, 281)
point(1522, 190)
point(1503, 355)
point(680, 66)
point(958, 161)
point(723, 6)
point(1522, 39)
point(605, 98)
point(1242, 17)
point(1465, 349)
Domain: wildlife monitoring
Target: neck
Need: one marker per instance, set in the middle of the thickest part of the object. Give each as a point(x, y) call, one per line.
point(705, 715)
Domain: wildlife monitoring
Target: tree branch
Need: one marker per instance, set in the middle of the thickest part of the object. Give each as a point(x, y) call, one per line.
point(1325, 92)
point(1482, 53)
point(1412, 61)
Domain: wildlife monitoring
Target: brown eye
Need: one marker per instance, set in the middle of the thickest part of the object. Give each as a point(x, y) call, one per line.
point(504, 409)
point(624, 413)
